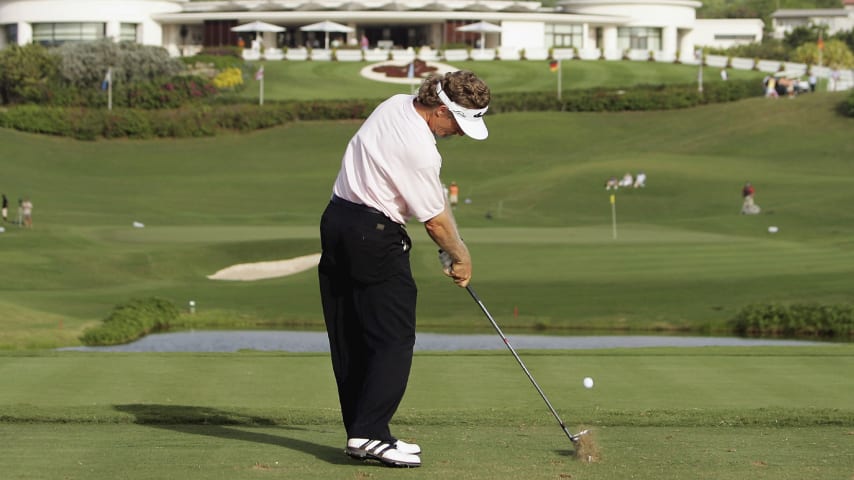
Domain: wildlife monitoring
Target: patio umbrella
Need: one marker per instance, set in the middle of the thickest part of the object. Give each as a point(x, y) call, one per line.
point(483, 28)
point(258, 27)
point(327, 26)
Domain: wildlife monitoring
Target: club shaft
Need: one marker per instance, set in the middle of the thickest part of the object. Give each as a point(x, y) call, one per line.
point(471, 291)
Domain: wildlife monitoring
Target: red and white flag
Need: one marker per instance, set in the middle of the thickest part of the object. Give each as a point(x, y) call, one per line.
point(260, 73)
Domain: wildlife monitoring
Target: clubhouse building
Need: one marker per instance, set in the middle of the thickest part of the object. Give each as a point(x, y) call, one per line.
point(591, 28)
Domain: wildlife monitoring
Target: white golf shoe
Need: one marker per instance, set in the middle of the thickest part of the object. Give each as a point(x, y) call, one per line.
point(386, 453)
point(410, 448)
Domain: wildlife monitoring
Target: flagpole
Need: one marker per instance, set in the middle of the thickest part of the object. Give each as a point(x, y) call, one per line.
point(614, 216)
point(559, 78)
point(259, 75)
point(110, 88)
point(820, 51)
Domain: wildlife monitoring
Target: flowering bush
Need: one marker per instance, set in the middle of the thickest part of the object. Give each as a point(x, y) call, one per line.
point(229, 78)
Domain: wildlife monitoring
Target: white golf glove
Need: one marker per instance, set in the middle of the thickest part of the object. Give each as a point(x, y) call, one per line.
point(445, 259)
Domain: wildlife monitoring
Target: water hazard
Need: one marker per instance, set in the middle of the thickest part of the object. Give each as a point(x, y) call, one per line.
point(301, 341)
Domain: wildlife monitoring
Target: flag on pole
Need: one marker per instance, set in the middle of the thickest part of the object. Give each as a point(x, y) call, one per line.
point(614, 216)
point(108, 79)
point(259, 75)
point(820, 41)
point(553, 65)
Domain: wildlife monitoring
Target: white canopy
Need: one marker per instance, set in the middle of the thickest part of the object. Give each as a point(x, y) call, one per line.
point(258, 27)
point(483, 28)
point(327, 26)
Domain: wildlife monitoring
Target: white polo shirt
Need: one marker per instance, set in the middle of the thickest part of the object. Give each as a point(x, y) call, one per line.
point(392, 164)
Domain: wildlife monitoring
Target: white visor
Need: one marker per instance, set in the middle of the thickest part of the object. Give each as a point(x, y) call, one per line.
point(470, 120)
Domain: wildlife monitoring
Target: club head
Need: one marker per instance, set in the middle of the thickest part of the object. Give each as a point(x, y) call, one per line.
point(577, 437)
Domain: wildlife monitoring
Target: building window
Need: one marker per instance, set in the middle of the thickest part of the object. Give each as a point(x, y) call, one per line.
point(49, 34)
point(639, 38)
point(11, 33)
point(564, 35)
point(739, 38)
point(127, 32)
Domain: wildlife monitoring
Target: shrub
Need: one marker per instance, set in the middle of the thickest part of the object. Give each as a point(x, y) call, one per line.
point(164, 93)
point(26, 74)
point(205, 119)
point(133, 320)
point(84, 65)
point(641, 97)
point(847, 107)
point(229, 78)
point(797, 320)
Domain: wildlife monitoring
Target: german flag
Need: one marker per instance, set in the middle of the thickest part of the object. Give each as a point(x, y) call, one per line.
point(553, 65)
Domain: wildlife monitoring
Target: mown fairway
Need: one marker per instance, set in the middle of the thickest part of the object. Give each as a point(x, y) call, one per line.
point(712, 413)
point(684, 256)
point(337, 80)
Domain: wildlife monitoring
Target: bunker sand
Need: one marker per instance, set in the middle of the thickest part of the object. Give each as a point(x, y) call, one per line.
point(247, 272)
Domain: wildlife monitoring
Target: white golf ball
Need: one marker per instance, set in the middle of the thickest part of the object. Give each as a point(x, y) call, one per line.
point(588, 382)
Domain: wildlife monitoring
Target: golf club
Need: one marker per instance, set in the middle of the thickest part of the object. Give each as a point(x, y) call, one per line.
point(574, 438)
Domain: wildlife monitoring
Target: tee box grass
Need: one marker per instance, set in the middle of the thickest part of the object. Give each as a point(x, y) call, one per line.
point(723, 413)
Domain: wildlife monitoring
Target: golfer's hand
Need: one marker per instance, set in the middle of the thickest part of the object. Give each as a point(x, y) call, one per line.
point(458, 270)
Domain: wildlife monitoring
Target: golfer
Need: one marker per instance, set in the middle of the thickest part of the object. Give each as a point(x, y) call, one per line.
point(389, 174)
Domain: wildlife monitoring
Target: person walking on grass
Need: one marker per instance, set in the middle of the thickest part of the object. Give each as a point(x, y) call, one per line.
point(389, 174)
point(454, 194)
point(27, 213)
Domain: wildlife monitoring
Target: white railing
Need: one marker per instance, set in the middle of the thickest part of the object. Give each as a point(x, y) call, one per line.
point(842, 80)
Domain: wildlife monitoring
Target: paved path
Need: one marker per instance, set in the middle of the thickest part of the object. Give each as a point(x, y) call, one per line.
point(232, 341)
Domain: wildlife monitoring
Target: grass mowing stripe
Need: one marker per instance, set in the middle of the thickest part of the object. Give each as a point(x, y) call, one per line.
point(468, 452)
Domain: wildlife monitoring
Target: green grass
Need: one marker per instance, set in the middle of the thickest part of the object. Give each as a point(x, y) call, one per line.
point(724, 413)
point(341, 80)
point(684, 258)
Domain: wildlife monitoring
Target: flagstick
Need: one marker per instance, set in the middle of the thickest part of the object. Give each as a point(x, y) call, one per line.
point(261, 93)
point(614, 215)
point(559, 78)
point(110, 88)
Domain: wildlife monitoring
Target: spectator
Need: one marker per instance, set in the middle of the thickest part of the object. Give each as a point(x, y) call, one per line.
point(612, 183)
point(27, 212)
point(748, 206)
point(627, 180)
point(454, 194)
point(771, 86)
point(834, 79)
point(5, 208)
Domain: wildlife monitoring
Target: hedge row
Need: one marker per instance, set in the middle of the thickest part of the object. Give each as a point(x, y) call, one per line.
point(208, 119)
point(199, 121)
point(847, 107)
point(798, 320)
point(131, 321)
point(641, 97)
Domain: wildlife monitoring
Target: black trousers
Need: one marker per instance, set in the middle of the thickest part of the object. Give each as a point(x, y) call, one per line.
point(369, 297)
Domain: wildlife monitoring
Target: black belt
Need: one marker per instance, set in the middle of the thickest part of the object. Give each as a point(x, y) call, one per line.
point(356, 206)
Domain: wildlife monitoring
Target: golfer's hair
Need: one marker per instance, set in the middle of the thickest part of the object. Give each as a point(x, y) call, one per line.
point(462, 87)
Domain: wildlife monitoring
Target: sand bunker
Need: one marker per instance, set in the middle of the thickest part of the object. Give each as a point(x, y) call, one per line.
point(258, 271)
